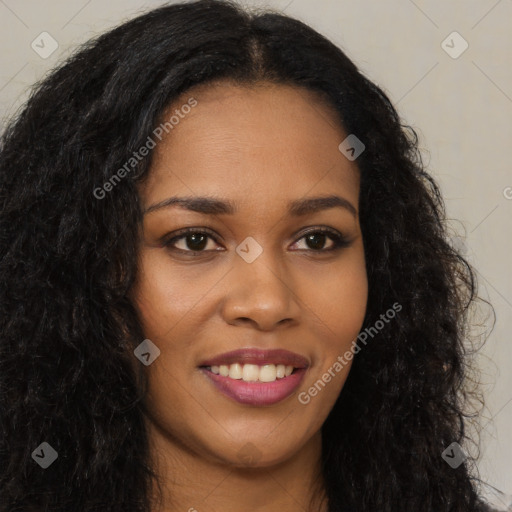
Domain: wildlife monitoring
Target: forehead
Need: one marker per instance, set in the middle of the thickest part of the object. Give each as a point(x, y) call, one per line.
point(268, 141)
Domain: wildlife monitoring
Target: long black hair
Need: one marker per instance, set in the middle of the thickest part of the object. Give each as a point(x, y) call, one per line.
point(69, 258)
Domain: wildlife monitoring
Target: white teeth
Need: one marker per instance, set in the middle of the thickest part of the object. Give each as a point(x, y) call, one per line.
point(250, 372)
point(253, 372)
point(235, 371)
point(268, 373)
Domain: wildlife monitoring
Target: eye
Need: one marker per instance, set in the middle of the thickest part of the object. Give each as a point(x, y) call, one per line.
point(316, 239)
point(195, 240)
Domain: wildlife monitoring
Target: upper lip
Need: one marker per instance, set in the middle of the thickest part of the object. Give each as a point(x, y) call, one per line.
point(259, 357)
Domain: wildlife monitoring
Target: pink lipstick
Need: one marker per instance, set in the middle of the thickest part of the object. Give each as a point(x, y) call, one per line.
point(256, 377)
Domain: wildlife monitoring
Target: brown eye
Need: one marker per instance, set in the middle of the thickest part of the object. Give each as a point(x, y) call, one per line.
point(315, 240)
point(193, 241)
point(196, 241)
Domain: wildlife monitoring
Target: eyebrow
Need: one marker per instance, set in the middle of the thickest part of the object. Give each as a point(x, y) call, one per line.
point(216, 206)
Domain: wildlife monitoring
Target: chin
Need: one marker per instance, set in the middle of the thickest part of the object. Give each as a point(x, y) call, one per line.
point(261, 455)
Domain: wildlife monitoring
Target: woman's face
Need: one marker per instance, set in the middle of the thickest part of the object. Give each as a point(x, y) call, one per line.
point(261, 278)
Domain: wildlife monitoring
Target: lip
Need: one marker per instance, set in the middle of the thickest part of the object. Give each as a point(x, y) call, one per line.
point(259, 357)
point(257, 393)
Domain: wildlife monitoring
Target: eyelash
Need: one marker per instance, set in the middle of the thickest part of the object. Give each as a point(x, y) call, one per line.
point(339, 241)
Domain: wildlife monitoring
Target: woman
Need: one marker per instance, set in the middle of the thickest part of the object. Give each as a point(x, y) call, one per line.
point(227, 282)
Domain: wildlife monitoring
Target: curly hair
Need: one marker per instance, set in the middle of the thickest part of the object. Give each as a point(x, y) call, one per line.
point(68, 261)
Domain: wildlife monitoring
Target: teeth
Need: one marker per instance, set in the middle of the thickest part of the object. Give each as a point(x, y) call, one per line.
point(268, 373)
point(253, 372)
point(235, 371)
point(250, 372)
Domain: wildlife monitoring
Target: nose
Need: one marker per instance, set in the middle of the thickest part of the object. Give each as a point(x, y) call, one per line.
point(260, 293)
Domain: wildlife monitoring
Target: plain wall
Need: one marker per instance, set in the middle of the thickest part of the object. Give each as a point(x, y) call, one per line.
point(461, 108)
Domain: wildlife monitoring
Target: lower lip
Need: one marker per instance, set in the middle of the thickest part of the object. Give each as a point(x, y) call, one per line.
point(257, 393)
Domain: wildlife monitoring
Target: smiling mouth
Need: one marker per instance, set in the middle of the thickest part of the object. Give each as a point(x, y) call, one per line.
point(256, 377)
point(242, 382)
point(253, 372)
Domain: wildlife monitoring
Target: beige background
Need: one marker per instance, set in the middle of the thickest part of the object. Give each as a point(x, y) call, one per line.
point(461, 107)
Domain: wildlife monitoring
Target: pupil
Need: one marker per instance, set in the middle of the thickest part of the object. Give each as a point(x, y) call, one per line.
point(199, 244)
point(316, 236)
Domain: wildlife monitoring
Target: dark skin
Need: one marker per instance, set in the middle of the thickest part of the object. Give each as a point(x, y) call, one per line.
point(260, 148)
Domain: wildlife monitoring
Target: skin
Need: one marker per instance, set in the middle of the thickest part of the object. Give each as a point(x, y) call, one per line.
point(259, 147)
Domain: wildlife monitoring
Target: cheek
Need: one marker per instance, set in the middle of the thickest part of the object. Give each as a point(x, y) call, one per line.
point(339, 300)
point(339, 307)
point(164, 295)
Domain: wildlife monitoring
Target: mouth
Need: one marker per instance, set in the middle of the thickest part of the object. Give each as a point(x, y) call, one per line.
point(252, 372)
point(256, 377)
